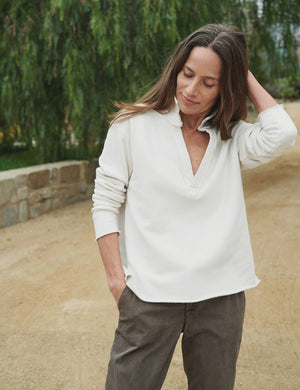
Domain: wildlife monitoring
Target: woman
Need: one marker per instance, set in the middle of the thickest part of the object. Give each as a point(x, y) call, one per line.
point(170, 217)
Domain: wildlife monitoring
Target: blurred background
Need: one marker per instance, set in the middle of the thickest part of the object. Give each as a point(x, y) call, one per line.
point(64, 63)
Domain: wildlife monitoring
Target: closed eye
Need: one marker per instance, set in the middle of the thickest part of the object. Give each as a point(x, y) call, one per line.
point(209, 85)
point(189, 76)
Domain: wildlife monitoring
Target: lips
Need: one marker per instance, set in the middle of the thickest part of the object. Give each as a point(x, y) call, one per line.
point(188, 101)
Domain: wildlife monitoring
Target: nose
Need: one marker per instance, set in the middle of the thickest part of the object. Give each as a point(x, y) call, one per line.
point(192, 88)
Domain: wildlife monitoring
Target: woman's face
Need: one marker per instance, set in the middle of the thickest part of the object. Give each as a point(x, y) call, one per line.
point(198, 82)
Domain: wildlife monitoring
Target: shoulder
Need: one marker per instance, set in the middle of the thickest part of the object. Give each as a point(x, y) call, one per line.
point(144, 122)
point(148, 116)
point(126, 129)
point(132, 119)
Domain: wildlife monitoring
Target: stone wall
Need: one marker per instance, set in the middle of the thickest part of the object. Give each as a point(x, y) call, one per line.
point(29, 192)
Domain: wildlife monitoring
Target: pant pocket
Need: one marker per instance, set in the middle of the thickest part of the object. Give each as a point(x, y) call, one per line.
point(122, 296)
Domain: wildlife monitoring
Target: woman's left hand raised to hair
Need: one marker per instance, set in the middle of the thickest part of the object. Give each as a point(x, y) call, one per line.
point(261, 99)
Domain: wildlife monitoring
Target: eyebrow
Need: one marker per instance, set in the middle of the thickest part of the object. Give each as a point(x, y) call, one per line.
point(206, 77)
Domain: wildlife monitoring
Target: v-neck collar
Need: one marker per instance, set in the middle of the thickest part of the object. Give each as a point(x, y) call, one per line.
point(191, 179)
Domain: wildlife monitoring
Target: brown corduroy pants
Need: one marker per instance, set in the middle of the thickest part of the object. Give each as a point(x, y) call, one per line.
point(147, 334)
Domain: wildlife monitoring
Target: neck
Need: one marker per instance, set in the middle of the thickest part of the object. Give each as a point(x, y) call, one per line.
point(191, 122)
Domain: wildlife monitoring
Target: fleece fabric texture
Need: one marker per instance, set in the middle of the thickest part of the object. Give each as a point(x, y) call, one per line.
point(183, 237)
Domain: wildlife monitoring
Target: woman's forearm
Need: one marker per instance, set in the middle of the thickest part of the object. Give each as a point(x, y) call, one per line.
point(110, 254)
point(261, 99)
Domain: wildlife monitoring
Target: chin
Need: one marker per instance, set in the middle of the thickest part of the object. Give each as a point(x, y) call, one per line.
point(186, 111)
point(189, 110)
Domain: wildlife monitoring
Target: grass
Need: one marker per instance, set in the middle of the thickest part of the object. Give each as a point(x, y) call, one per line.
point(25, 158)
point(15, 160)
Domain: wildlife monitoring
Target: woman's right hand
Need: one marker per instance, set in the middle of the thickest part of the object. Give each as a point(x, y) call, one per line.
point(117, 291)
point(110, 254)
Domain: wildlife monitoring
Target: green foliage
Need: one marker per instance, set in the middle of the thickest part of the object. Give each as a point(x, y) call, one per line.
point(63, 62)
point(274, 49)
point(286, 88)
point(8, 137)
point(17, 159)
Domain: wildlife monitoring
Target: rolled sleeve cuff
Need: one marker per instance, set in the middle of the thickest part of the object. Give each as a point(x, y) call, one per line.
point(105, 223)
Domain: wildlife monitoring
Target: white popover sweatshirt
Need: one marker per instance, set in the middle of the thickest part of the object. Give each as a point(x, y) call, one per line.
point(183, 237)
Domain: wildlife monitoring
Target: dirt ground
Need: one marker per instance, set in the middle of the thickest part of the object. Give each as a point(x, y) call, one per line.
point(57, 317)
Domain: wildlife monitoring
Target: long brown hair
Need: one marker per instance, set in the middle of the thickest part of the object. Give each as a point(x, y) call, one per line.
point(230, 45)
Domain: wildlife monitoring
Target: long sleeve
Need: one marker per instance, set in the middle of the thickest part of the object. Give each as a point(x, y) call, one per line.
point(112, 177)
point(180, 233)
point(272, 135)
